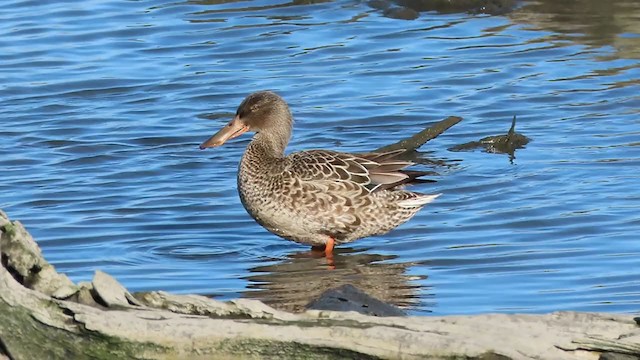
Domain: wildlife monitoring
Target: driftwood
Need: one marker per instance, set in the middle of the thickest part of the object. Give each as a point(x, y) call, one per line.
point(419, 139)
point(498, 144)
point(43, 315)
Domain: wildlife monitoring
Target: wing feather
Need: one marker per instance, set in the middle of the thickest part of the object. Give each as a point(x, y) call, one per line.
point(370, 171)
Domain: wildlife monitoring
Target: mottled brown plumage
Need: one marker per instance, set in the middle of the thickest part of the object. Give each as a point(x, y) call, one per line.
point(313, 196)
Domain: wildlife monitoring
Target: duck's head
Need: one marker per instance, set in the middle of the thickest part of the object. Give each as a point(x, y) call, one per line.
point(261, 112)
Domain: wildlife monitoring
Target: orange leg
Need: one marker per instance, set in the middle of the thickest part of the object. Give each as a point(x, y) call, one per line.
point(328, 252)
point(328, 247)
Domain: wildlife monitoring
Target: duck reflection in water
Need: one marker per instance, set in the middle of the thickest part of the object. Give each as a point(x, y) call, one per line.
point(293, 283)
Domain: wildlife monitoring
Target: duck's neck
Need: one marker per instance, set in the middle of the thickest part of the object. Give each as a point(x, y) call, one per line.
point(264, 151)
point(271, 144)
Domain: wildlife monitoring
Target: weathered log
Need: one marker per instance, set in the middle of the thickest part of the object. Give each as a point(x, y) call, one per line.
point(36, 324)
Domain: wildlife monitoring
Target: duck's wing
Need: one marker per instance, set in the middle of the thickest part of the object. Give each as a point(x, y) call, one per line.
point(372, 171)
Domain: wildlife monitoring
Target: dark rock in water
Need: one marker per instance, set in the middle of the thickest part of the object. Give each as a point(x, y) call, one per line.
point(498, 144)
point(349, 298)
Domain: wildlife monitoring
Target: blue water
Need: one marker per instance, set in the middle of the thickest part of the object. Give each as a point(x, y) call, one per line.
point(103, 104)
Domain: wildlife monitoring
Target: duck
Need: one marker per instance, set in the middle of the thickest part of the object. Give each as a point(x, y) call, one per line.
point(321, 198)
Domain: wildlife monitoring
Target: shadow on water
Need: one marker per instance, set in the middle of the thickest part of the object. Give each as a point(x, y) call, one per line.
point(303, 276)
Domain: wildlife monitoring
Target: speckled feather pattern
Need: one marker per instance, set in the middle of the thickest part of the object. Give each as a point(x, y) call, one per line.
point(310, 196)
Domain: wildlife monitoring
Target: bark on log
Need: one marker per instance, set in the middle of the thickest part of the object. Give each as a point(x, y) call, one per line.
point(102, 320)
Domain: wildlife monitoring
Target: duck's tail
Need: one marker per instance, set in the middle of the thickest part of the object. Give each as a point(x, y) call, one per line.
point(419, 200)
point(388, 172)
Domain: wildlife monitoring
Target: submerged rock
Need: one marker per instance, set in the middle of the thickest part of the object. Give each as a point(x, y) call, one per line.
point(350, 298)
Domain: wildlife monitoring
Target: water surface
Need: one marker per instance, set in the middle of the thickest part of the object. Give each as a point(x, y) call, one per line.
point(103, 104)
